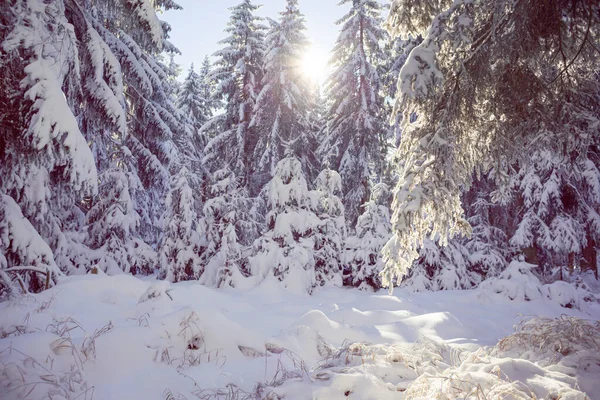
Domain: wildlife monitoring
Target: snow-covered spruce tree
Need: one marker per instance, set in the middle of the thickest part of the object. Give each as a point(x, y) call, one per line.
point(330, 233)
point(441, 267)
point(238, 74)
point(195, 97)
point(208, 87)
point(315, 135)
point(281, 109)
point(230, 227)
point(181, 244)
point(488, 247)
point(362, 256)
point(135, 36)
point(190, 100)
point(112, 224)
point(196, 108)
point(317, 121)
point(490, 81)
point(560, 210)
point(357, 123)
point(286, 249)
point(397, 50)
point(46, 166)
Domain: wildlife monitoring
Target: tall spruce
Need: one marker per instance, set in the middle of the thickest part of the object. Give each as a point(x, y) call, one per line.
point(281, 111)
point(238, 75)
point(46, 166)
point(357, 122)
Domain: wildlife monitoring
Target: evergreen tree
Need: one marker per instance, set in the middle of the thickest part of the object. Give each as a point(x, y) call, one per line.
point(357, 126)
point(135, 37)
point(489, 250)
point(181, 245)
point(560, 210)
point(196, 109)
point(281, 109)
point(191, 100)
point(112, 227)
point(362, 257)
point(489, 82)
point(208, 87)
point(286, 249)
point(43, 152)
point(230, 227)
point(441, 268)
point(330, 233)
point(238, 74)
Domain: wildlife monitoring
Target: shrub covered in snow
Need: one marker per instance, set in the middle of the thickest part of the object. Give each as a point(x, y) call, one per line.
point(362, 257)
point(517, 282)
point(112, 225)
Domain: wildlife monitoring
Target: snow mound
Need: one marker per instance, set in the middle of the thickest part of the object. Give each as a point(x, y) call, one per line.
point(544, 358)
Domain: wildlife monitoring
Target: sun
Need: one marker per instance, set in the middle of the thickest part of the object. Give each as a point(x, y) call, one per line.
point(315, 65)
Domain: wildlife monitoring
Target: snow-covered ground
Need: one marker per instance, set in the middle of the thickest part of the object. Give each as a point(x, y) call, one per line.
point(120, 337)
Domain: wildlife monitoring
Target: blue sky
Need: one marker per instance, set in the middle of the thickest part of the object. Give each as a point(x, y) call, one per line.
point(199, 26)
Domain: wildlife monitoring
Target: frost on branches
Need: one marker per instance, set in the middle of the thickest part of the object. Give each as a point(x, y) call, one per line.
point(286, 249)
point(44, 155)
point(181, 244)
point(363, 260)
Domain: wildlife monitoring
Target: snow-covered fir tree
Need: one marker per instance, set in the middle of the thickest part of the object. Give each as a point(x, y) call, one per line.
point(208, 87)
point(330, 233)
point(238, 75)
point(560, 210)
point(191, 101)
point(357, 123)
point(488, 247)
point(286, 249)
point(196, 108)
point(362, 256)
point(181, 244)
point(230, 227)
point(281, 110)
point(46, 166)
point(310, 141)
point(135, 37)
point(441, 268)
point(112, 224)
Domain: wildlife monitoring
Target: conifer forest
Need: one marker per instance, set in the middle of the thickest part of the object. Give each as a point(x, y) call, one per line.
point(422, 222)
